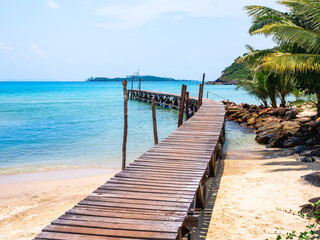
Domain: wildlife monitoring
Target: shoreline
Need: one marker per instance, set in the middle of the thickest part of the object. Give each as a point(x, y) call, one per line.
point(56, 174)
point(31, 201)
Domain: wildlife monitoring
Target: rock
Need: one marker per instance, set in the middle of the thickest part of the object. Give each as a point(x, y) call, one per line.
point(270, 125)
point(313, 178)
point(260, 124)
point(291, 127)
point(291, 114)
point(280, 111)
point(315, 124)
point(292, 142)
point(311, 151)
point(239, 120)
point(251, 120)
point(245, 105)
point(265, 111)
point(302, 119)
point(264, 137)
point(245, 117)
point(234, 109)
point(298, 149)
point(308, 159)
point(309, 142)
point(277, 139)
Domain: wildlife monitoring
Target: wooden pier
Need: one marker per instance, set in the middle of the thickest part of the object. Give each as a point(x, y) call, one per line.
point(163, 99)
point(155, 196)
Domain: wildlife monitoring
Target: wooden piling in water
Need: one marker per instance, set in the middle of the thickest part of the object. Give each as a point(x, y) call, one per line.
point(181, 107)
point(125, 125)
point(187, 106)
point(154, 120)
point(201, 87)
point(131, 87)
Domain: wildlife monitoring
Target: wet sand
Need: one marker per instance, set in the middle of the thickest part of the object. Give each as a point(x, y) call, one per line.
point(31, 201)
point(255, 184)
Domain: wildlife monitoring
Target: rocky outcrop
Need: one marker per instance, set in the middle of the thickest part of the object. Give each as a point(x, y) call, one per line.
point(279, 127)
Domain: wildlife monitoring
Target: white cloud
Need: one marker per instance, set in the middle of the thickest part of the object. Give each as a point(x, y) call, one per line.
point(52, 4)
point(4, 46)
point(134, 15)
point(38, 52)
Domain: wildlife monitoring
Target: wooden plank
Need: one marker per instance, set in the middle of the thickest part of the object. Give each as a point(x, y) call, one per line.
point(124, 215)
point(165, 224)
point(123, 226)
point(108, 232)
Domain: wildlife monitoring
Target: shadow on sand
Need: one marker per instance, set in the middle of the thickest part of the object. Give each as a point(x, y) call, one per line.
point(212, 188)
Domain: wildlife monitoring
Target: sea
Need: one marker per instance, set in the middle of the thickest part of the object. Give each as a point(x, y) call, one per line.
point(61, 125)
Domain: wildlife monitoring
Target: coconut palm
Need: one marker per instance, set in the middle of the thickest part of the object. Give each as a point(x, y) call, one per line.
point(277, 85)
point(298, 36)
point(256, 87)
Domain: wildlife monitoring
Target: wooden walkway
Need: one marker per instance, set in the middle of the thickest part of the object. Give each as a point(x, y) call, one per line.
point(155, 196)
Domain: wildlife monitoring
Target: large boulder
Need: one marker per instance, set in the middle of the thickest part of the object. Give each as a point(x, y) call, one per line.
point(264, 137)
point(291, 114)
point(292, 142)
point(265, 111)
point(274, 126)
point(245, 117)
point(302, 119)
point(234, 109)
point(291, 127)
point(280, 111)
point(311, 151)
point(277, 139)
point(251, 121)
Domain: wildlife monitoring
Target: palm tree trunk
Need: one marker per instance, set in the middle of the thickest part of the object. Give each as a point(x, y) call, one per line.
point(273, 100)
point(283, 100)
point(265, 103)
point(318, 104)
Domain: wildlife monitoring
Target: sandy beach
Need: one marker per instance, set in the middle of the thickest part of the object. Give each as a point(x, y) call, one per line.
point(31, 201)
point(256, 183)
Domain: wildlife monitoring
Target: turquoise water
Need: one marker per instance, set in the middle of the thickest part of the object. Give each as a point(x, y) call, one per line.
point(45, 125)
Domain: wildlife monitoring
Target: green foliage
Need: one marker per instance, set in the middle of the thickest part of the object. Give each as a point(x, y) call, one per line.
point(145, 78)
point(236, 72)
point(298, 37)
point(311, 213)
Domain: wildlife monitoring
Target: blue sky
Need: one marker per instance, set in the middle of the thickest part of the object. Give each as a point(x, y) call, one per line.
point(76, 39)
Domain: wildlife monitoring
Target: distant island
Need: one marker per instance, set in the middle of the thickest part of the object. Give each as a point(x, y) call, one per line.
point(146, 78)
point(232, 74)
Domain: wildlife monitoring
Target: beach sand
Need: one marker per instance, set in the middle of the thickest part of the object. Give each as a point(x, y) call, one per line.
point(31, 201)
point(254, 184)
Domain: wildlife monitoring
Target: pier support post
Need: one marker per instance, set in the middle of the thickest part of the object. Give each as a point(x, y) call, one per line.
point(125, 125)
point(154, 119)
point(181, 107)
point(131, 87)
point(187, 106)
point(201, 87)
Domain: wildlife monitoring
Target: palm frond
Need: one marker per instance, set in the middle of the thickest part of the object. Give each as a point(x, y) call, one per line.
point(254, 57)
point(292, 63)
point(262, 16)
point(308, 10)
point(290, 34)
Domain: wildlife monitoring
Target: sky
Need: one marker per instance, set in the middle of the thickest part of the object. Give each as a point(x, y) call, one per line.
point(76, 39)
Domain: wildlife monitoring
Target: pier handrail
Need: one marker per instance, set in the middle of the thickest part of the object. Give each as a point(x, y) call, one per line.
point(216, 95)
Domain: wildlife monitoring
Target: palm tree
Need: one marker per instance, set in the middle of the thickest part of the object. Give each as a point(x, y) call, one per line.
point(298, 36)
point(277, 85)
point(257, 87)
